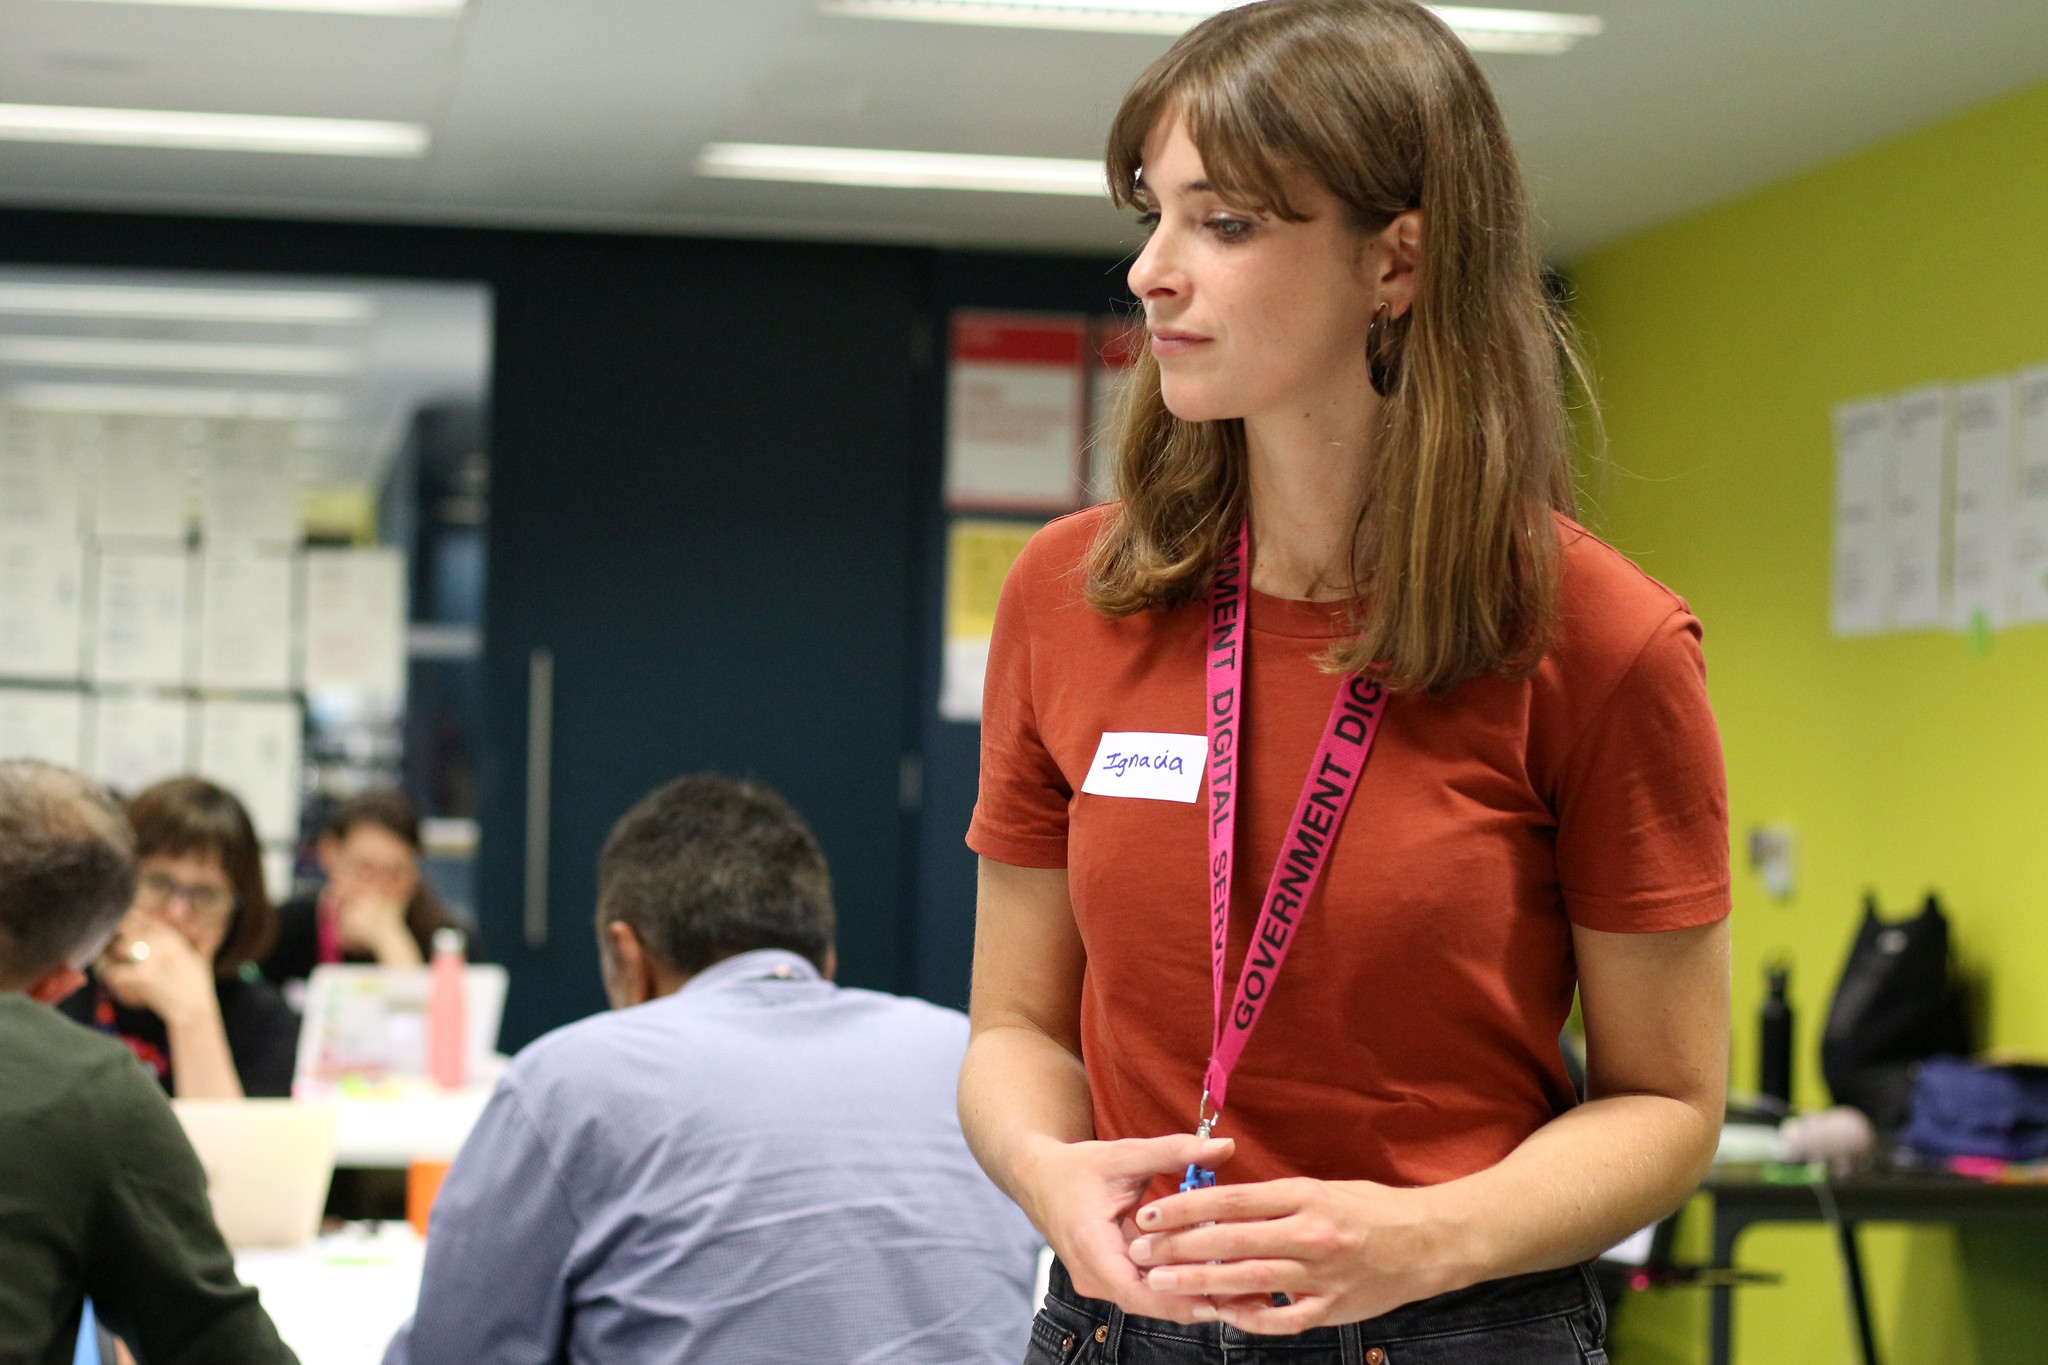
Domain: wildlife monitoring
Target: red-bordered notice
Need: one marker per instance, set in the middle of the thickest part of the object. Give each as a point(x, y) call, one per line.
point(1015, 406)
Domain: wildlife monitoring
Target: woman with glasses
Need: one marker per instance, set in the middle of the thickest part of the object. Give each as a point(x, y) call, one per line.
point(375, 907)
point(178, 983)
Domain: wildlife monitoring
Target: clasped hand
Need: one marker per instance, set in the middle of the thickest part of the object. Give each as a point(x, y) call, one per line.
point(168, 976)
point(1341, 1251)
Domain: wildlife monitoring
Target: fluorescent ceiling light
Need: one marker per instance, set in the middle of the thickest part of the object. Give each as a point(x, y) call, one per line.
point(420, 8)
point(902, 170)
point(210, 132)
point(1483, 30)
point(173, 402)
point(120, 353)
point(282, 306)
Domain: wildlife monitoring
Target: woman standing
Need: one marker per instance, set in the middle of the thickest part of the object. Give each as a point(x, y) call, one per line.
point(178, 982)
point(1399, 726)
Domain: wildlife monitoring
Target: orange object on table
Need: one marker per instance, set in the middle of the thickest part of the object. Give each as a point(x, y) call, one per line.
point(422, 1183)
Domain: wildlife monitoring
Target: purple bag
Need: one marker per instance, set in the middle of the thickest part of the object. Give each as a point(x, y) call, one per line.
point(1960, 1109)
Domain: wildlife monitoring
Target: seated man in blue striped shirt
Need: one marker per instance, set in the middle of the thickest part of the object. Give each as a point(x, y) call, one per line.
point(741, 1161)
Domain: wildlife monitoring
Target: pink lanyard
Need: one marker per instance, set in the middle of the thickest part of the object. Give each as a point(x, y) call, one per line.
point(328, 930)
point(1340, 758)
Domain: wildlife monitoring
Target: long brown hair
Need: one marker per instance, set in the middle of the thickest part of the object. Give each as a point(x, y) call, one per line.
point(192, 815)
point(1456, 555)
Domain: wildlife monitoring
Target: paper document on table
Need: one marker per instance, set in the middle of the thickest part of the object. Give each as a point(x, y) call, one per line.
point(1919, 449)
point(253, 748)
point(42, 723)
point(245, 614)
point(1862, 440)
point(140, 634)
point(139, 739)
point(2027, 523)
point(143, 479)
point(1978, 558)
point(355, 620)
point(41, 606)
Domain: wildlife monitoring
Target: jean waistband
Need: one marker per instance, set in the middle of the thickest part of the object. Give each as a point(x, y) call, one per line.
point(1493, 1303)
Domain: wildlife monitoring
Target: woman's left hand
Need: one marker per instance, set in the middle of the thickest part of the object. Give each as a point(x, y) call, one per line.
point(1341, 1251)
point(169, 977)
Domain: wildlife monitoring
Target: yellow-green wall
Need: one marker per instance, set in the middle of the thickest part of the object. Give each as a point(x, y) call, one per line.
point(1903, 763)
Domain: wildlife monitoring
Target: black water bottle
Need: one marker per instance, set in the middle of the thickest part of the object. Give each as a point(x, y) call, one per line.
point(1774, 1037)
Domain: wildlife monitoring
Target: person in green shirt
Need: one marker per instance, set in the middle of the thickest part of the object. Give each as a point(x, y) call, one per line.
point(100, 1193)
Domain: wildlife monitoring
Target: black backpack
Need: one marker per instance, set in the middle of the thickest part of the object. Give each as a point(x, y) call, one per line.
point(1897, 1004)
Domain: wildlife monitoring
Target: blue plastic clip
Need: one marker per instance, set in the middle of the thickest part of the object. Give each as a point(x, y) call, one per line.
point(1197, 1179)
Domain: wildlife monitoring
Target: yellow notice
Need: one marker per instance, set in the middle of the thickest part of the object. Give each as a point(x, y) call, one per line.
point(979, 554)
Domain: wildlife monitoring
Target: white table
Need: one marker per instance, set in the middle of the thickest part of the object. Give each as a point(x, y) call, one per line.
point(337, 1300)
point(393, 1131)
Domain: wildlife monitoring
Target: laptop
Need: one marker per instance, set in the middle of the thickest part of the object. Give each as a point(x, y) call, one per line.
point(267, 1163)
point(370, 1022)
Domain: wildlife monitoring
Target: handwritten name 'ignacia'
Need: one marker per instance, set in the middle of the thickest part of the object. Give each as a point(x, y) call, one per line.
point(1161, 762)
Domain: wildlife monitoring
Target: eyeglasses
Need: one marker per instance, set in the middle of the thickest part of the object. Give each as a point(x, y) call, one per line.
point(157, 890)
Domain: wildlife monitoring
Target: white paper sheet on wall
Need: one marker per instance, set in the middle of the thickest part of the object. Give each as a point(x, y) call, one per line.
point(143, 483)
point(140, 632)
point(1919, 447)
point(42, 723)
point(41, 606)
point(1862, 435)
point(355, 620)
point(139, 738)
point(39, 478)
point(245, 615)
point(2027, 525)
point(1978, 559)
point(251, 488)
point(253, 749)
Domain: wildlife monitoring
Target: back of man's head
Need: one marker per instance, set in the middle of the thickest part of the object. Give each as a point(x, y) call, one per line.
point(67, 870)
point(706, 867)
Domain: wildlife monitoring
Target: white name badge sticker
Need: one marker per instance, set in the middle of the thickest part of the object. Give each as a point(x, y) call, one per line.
point(1158, 767)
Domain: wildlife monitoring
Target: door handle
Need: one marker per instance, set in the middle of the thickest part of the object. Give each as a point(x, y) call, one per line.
point(540, 744)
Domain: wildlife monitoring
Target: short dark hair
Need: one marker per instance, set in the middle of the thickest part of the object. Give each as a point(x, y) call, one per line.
point(192, 815)
point(707, 867)
point(67, 868)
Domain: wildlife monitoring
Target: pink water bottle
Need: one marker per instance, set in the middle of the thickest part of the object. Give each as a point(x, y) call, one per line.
point(446, 1045)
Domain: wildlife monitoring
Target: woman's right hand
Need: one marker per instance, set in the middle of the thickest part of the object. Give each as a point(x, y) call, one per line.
point(1082, 1194)
point(376, 925)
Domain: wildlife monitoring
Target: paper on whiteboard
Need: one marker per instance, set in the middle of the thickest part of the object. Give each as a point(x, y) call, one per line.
point(143, 483)
point(1978, 560)
point(251, 488)
point(1862, 435)
point(245, 614)
point(140, 633)
point(253, 749)
point(355, 620)
point(1919, 447)
point(1014, 395)
point(42, 723)
point(39, 478)
point(2027, 526)
point(41, 606)
point(138, 739)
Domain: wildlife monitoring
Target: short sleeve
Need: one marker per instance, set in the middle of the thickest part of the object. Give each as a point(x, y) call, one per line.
point(1020, 815)
point(1642, 801)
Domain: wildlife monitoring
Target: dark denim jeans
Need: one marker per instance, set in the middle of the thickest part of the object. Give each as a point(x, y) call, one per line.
point(1551, 1318)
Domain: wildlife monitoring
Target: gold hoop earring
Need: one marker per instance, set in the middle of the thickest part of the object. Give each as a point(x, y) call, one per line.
point(1383, 377)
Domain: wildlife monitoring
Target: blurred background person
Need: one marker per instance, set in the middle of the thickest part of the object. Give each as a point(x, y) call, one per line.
point(100, 1193)
point(177, 983)
point(375, 905)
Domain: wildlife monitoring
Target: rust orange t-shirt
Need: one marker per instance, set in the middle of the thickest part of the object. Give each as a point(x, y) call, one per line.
point(1412, 1036)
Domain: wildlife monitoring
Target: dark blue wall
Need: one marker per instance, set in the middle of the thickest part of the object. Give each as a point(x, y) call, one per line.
point(715, 496)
